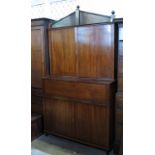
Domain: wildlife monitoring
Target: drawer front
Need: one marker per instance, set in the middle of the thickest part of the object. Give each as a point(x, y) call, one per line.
point(99, 93)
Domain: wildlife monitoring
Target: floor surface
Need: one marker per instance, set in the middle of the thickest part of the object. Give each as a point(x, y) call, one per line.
point(51, 145)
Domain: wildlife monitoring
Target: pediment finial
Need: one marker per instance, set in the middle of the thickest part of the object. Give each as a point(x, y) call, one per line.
point(112, 15)
point(112, 12)
point(77, 15)
point(78, 7)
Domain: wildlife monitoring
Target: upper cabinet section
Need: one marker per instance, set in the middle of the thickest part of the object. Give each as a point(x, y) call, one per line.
point(83, 51)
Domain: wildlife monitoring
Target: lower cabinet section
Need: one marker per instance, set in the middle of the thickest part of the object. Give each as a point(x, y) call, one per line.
point(80, 118)
point(87, 123)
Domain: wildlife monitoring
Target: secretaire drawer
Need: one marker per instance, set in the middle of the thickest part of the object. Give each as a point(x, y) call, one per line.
point(100, 93)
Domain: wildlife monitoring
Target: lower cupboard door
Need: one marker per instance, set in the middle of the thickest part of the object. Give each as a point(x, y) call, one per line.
point(59, 117)
point(87, 123)
point(92, 124)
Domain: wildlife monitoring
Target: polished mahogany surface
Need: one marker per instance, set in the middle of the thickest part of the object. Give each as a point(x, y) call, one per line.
point(37, 68)
point(79, 92)
point(96, 51)
point(86, 123)
point(83, 91)
point(39, 62)
point(79, 110)
point(90, 122)
point(36, 56)
point(59, 117)
point(63, 52)
point(86, 51)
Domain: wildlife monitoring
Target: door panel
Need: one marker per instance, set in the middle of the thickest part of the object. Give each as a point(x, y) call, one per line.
point(91, 124)
point(96, 51)
point(59, 117)
point(63, 52)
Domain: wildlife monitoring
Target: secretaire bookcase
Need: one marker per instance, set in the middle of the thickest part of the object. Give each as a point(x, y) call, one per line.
point(79, 93)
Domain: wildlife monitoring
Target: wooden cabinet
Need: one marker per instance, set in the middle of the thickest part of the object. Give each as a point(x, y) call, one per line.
point(76, 72)
point(79, 93)
point(39, 61)
point(119, 94)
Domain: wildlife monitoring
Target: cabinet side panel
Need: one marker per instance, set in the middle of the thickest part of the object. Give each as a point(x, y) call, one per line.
point(36, 57)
